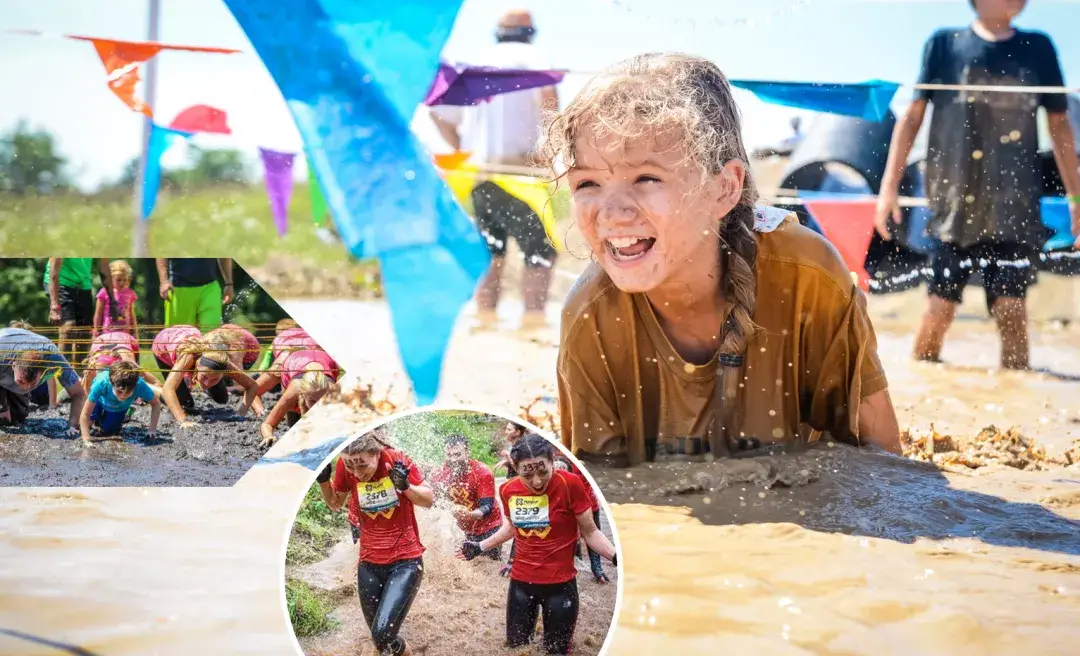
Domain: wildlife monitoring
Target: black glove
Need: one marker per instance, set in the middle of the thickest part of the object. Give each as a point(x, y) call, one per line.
point(399, 476)
point(470, 550)
point(615, 560)
point(325, 474)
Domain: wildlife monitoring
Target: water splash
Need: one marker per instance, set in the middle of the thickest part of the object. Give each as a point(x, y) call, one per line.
point(307, 458)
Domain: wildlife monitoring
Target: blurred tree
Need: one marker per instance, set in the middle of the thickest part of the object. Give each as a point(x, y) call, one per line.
point(215, 167)
point(29, 162)
point(22, 292)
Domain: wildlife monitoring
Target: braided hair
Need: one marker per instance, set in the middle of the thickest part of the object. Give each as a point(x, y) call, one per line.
point(633, 99)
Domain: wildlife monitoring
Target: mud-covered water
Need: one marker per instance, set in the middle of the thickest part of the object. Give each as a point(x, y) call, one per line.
point(159, 571)
point(215, 453)
point(461, 606)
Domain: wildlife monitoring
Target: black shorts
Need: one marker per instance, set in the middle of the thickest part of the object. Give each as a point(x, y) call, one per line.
point(1007, 270)
point(76, 306)
point(501, 216)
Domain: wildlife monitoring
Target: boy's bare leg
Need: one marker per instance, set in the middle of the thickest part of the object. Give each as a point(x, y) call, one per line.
point(67, 344)
point(935, 325)
point(1011, 317)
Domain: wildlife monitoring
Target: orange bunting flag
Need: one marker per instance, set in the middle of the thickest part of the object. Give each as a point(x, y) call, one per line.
point(122, 61)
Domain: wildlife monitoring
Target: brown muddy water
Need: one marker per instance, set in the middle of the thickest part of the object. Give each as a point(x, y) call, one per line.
point(461, 606)
point(890, 557)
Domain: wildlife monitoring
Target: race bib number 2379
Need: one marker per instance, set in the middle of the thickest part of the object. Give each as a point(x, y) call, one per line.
point(530, 513)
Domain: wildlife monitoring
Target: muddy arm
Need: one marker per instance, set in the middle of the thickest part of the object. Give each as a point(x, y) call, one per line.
point(878, 424)
point(155, 414)
point(422, 495)
point(334, 500)
point(99, 316)
point(78, 399)
point(281, 408)
point(84, 420)
point(251, 390)
point(596, 540)
point(172, 383)
point(505, 534)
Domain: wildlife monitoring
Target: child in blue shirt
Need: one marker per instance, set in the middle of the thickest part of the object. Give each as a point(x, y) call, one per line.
point(111, 396)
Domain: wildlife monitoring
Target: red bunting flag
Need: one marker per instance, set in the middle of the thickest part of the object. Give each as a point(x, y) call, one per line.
point(849, 225)
point(202, 118)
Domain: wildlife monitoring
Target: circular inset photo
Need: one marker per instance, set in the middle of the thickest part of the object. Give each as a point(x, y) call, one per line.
point(451, 531)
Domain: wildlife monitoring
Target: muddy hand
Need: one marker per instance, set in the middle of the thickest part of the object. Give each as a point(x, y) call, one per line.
point(268, 441)
point(325, 474)
point(888, 207)
point(187, 424)
point(399, 476)
point(468, 550)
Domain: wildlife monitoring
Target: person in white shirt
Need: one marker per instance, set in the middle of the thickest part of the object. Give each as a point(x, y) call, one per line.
point(504, 131)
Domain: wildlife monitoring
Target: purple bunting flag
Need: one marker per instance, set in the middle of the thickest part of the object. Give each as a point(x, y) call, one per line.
point(279, 184)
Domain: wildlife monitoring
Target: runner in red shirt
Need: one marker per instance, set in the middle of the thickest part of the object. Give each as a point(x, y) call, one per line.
point(512, 432)
point(470, 486)
point(386, 485)
point(595, 562)
point(546, 511)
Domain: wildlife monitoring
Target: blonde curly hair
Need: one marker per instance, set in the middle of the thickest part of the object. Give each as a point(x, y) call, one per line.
point(657, 93)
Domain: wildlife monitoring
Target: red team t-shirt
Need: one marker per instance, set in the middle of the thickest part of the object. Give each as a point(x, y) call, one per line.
point(478, 482)
point(593, 500)
point(386, 518)
point(545, 527)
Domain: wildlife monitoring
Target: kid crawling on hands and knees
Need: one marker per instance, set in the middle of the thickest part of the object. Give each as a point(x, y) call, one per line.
point(111, 396)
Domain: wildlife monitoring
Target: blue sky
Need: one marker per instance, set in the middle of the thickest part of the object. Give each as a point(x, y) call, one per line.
point(59, 84)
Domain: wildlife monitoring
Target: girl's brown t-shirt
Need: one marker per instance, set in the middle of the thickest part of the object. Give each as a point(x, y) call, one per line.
point(624, 390)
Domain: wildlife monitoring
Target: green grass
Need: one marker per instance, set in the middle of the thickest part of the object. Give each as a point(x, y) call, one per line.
point(422, 436)
point(315, 531)
point(214, 222)
point(309, 610)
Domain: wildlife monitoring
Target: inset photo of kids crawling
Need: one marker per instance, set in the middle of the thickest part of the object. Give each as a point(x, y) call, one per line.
point(446, 532)
point(147, 372)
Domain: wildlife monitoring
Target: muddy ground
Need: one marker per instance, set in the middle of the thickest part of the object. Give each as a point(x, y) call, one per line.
point(461, 606)
point(215, 453)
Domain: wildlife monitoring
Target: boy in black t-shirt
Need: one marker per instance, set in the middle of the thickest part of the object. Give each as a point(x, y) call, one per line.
point(983, 173)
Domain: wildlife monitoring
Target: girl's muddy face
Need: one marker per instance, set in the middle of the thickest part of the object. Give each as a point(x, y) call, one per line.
point(307, 401)
point(535, 473)
point(644, 210)
point(121, 280)
point(361, 465)
point(207, 379)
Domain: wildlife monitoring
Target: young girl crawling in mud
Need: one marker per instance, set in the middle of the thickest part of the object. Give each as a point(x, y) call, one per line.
point(189, 356)
point(706, 324)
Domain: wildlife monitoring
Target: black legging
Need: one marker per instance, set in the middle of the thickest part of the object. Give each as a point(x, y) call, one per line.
point(219, 393)
point(386, 594)
point(559, 603)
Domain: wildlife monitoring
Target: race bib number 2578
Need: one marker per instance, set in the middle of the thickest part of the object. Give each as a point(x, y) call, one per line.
point(377, 497)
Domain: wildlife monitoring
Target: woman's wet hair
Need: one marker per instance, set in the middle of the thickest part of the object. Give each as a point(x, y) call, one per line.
point(285, 324)
point(210, 355)
point(314, 379)
point(652, 94)
point(21, 324)
point(373, 441)
point(124, 375)
point(518, 428)
point(532, 446)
